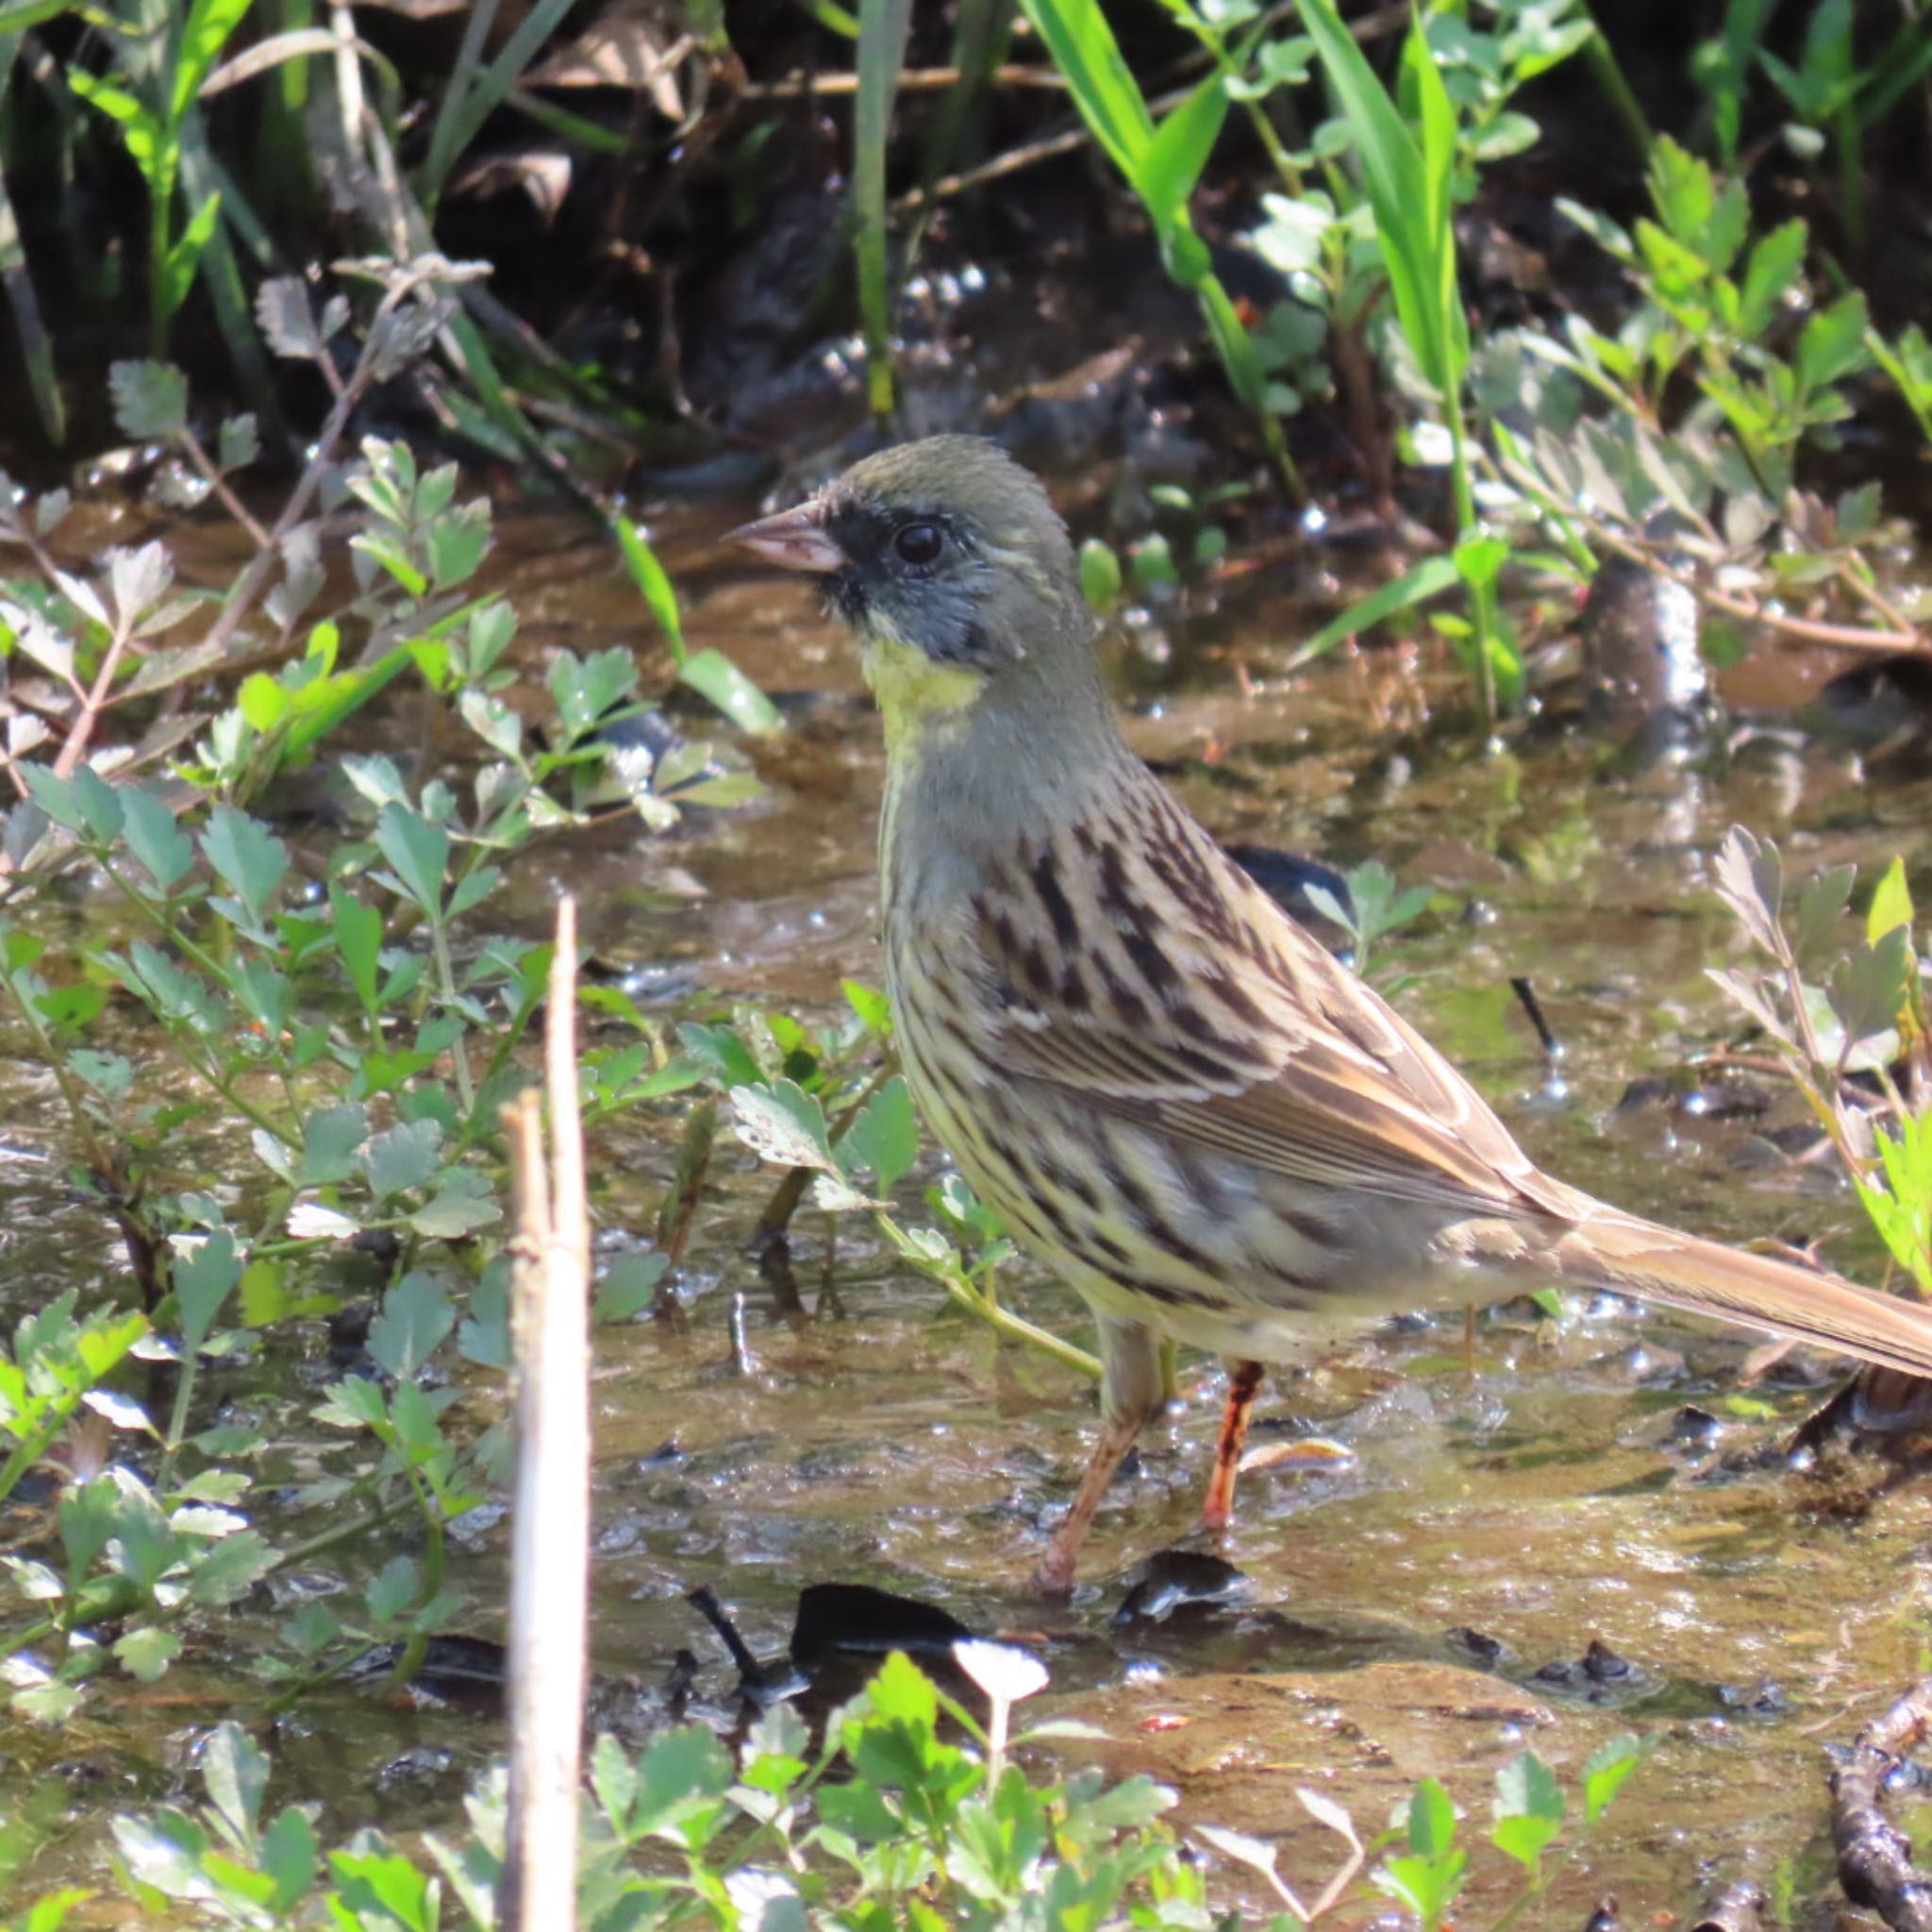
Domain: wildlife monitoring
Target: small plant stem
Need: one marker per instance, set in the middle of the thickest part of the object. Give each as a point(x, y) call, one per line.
point(1482, 594)
point(1806, 630)
point(254, 579)
point(1611, 78)
point(1003, 1320)
point(211, 474)
point(446, 979)
point(177, 1417)
point(94, 703)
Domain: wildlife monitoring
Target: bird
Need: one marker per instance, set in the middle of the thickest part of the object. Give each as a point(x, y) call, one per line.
point(1174, 1097)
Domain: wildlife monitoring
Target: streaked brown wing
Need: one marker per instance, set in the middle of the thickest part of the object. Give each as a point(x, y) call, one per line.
point(1296, 1066)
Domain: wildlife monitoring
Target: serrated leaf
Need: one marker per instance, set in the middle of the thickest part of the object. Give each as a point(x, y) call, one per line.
point(246, 857)
point(150, 399)
point(417, 852)
point(782, 1123)
point(1750, 880)
point(403, 1157)
point(415, 1321)
point(163, 850)
point(148, 1653)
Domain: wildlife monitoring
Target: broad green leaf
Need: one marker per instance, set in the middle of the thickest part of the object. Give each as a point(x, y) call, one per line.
point(1831, 345)
point(417, 852)
point(246, 857)
point(716, 678)
point(884, 1136)
point(1100, 574)
point(782, 1123)
point(629, 1286)
point(330, 1136)
point(359, 940)
point(150, 399)
point(203, 1280)
point(415, 1321)
point(403, 1158)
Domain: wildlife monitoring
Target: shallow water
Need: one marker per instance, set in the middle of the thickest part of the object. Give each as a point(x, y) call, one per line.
point(1538, 1490)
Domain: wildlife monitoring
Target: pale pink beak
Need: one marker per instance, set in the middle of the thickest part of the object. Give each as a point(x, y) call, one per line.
point(793, 539)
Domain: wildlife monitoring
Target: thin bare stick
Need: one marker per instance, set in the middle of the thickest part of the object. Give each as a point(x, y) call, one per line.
point(551, 1510)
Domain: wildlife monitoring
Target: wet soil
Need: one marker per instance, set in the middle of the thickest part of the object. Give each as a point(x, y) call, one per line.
point(1428, 1603)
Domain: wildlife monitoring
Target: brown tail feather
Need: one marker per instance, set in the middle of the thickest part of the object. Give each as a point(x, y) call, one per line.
point(1612, 1250)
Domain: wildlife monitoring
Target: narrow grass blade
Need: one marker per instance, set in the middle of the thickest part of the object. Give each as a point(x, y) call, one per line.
point(1088, 57)
point(883, 28)
point(1431, 576)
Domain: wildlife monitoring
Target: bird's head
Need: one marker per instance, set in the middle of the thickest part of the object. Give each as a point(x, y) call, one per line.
point(948, 561)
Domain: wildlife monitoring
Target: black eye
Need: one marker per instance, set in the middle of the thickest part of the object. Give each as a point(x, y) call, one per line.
point(918, 544)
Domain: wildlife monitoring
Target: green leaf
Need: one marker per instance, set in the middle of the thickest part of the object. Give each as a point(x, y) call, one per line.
point(163, 850)
point(246, 857)
point(884, 1136)
point(359, 940)
point(1891, 903)
point(235, 1770)
point(415, 1321)
point(654, 586)
point(208, 25)
point(1431, 1820)
point(184, 256)
point(718, 680)
point(231, 1569)
point(202, 1282)
point(1100, 574)
point(1171, 165)
point(148, 1653)
point(150, 399)
point(586, 688)
point(1410, 184)
point(782, 1123)
point(1769, 275)
point(1831, 345)
point(391, 1591)
point(1088, 58)
point(288, 1857)
point(417, 852)
point(1527, 1788)
point(629, 1286)
point(1604, 1773)
point(1430, 578)
point(874, 1010)
point(403, 1158)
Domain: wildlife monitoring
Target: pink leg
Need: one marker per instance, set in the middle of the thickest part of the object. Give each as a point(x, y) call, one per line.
point(1243, 1385)
point(1129, 1394)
